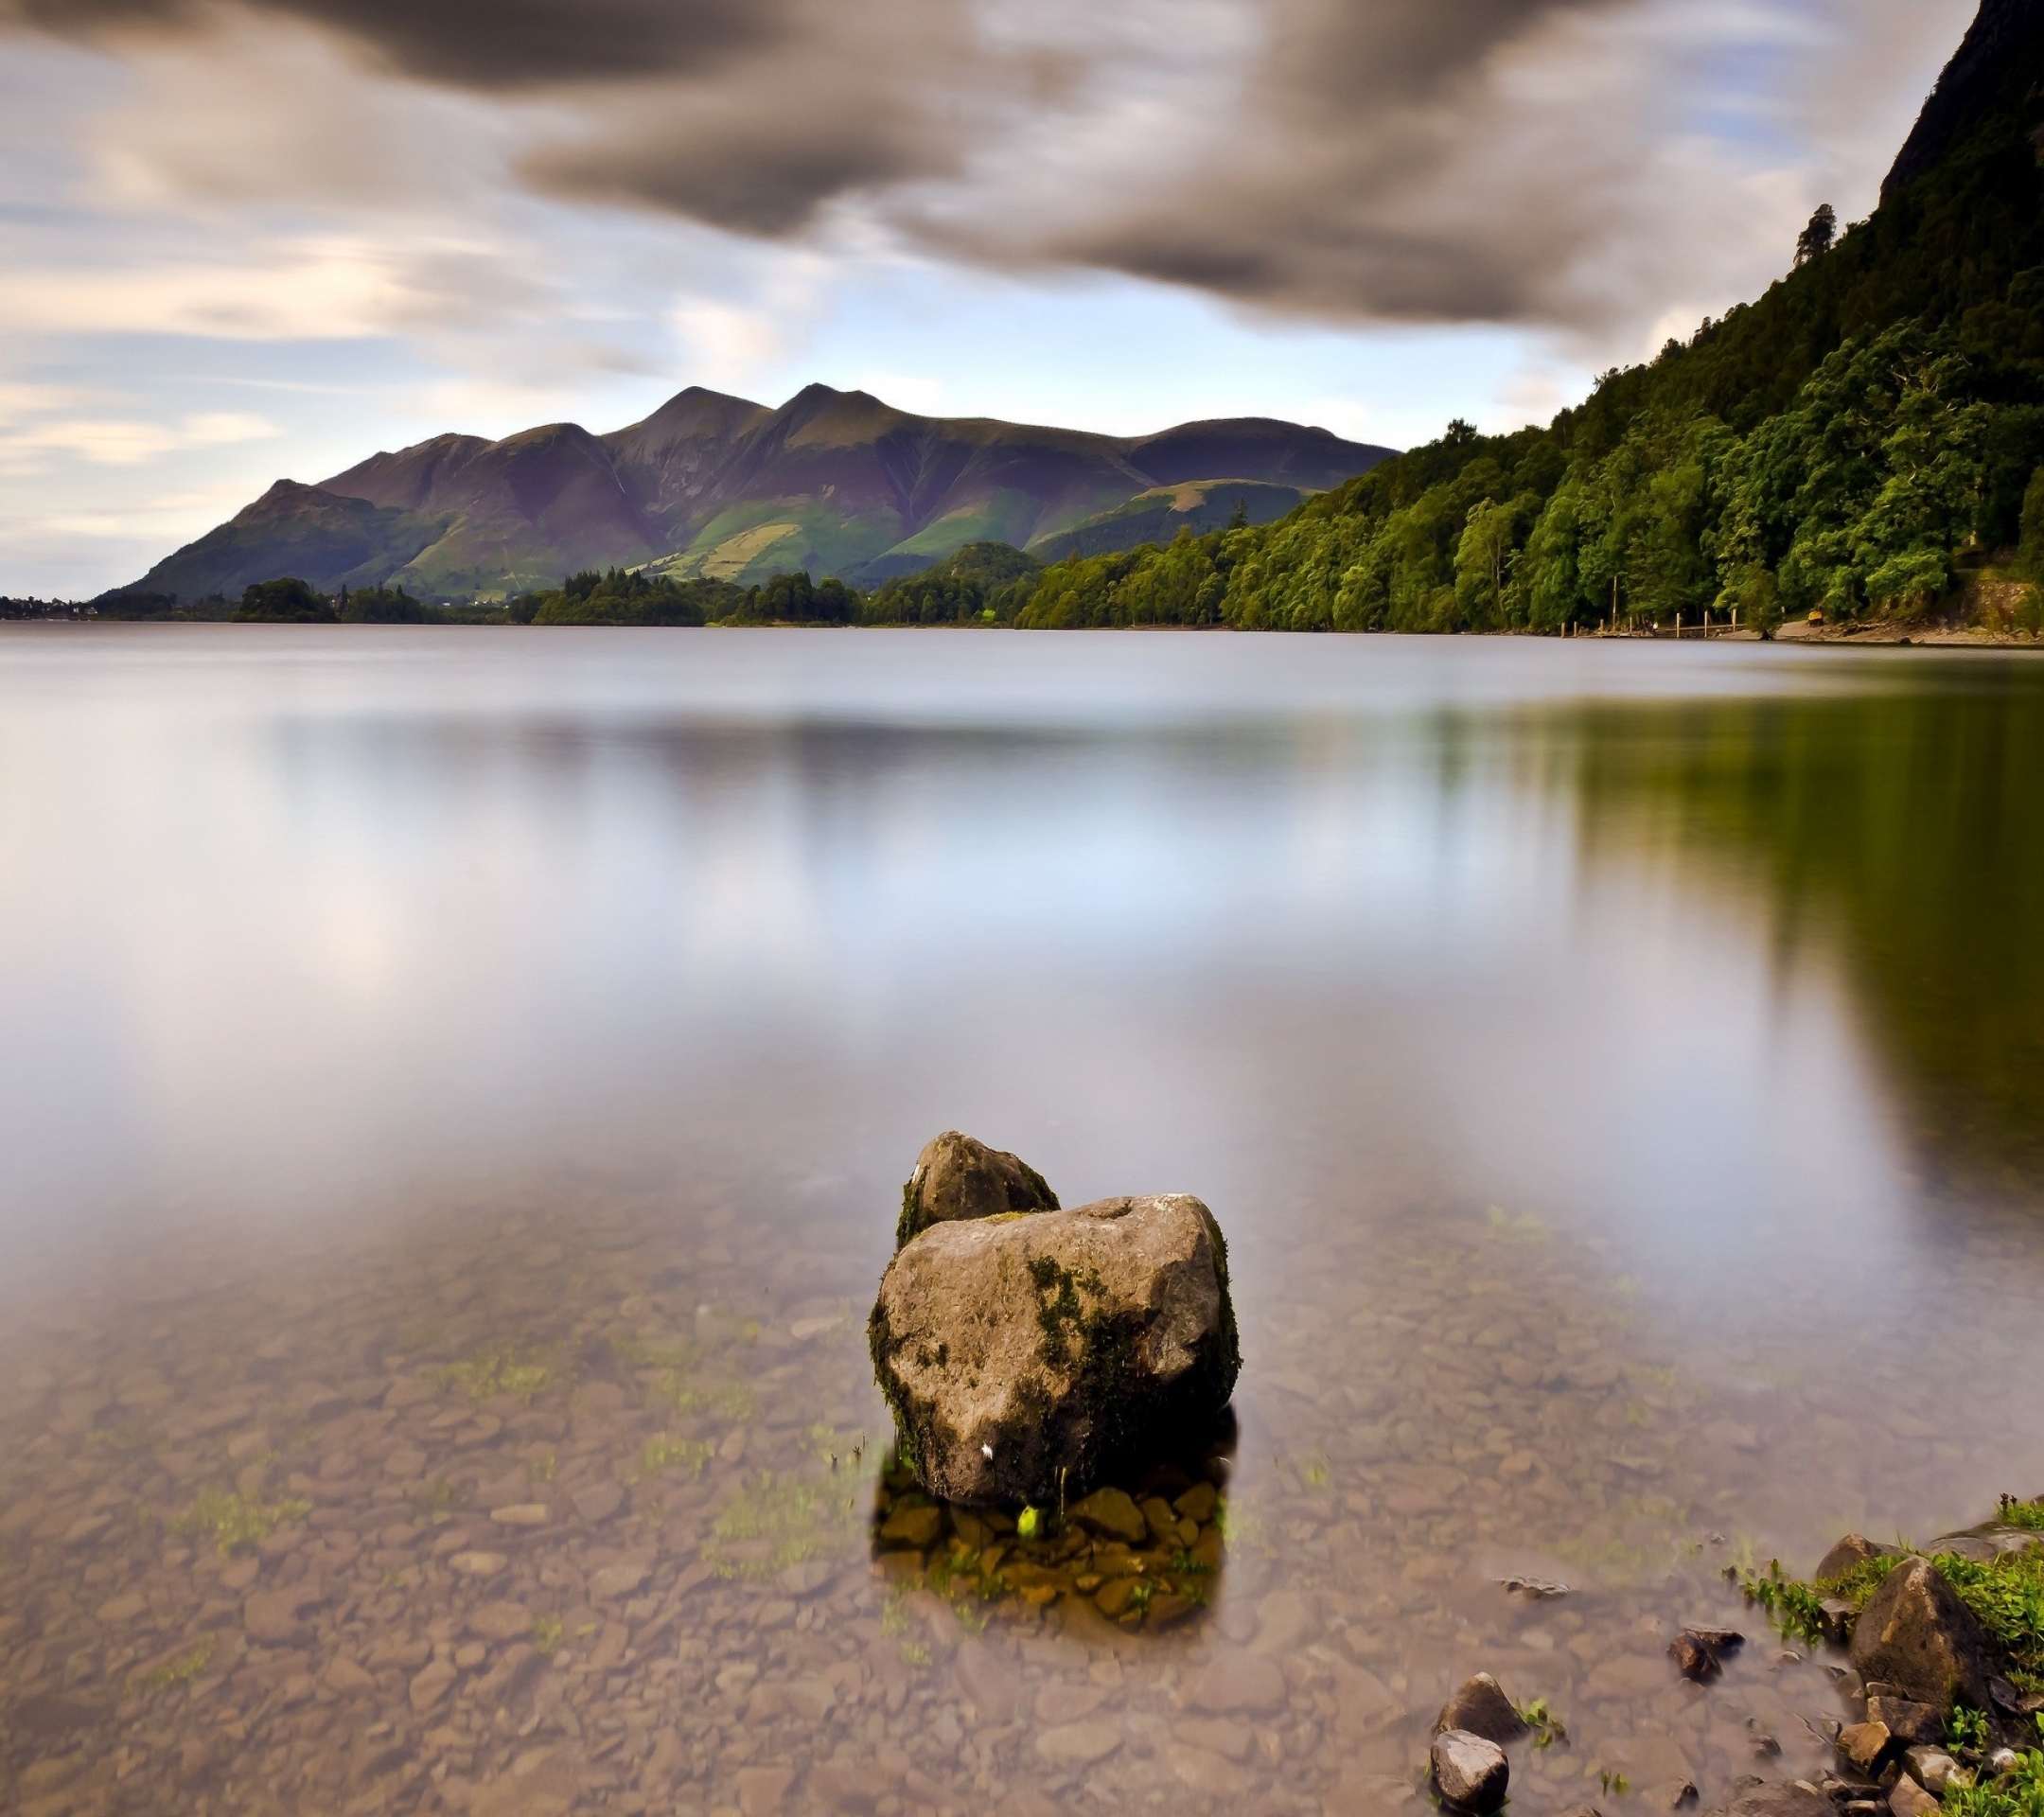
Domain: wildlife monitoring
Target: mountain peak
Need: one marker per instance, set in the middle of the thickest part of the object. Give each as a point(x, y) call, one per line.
point(1984, 67)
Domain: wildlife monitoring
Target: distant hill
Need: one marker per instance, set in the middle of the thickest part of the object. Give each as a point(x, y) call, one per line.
point(712, 486)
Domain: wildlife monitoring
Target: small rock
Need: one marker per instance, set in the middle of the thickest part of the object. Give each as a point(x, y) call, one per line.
point(957, 1177)
point(1238, 1683)
point(1112, 1512)
point(1078, 1744)
point(1469, 1772)
point(1479, 1706)
point(343, 1678)
point(761, 1790)
point(1919, 1636)
point(1908, 1799)
point(273, 1617)
point(1780, 1798)
point(598, 1502)
point(916, 1527)
point(805, 1578)
point(500, 1621)
point(1853, 1549)
point(478, 1564)
point(1671, 1794)
point(1930, 1767)
point(1912, 1724)
point(1864, 1743)
point(1693, 1660)
point(431, 1684)
point(523, 1514)
point(616, 1580)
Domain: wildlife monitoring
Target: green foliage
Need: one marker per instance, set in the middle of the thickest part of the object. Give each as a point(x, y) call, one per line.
point(619, 598)
point(382, 606)
point(2028, 1515)
point(2019, 1793)
point(794, 599)
point(283, 602)
point(1796, 1608)
point(984, 583)
point(2008, 1596)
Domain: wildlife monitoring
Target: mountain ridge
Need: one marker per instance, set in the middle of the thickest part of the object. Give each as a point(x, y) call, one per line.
point(839, 483)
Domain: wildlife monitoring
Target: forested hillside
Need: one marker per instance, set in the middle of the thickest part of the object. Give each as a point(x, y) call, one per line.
point(1847, 443)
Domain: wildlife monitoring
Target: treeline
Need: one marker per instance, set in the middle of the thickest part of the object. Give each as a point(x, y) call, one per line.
point(619, 596)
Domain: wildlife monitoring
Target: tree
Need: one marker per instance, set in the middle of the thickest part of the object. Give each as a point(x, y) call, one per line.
point(283, 602)
point(1816, 240)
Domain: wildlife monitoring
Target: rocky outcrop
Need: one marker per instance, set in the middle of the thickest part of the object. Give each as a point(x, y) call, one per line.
point(1480, 1706)
point(1917, 1636)
point(1024, 1356)
point(958, 1177)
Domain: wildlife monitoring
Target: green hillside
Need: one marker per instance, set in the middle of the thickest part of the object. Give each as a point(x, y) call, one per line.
point(1158, 515)
point(714, 489)
point(1851, 443)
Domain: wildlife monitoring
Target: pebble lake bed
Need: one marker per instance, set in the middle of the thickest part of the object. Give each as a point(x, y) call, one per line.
point(439, 1378)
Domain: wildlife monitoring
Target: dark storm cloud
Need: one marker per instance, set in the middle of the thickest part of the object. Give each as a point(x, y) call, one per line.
point(472, 44)
point(1418, 160)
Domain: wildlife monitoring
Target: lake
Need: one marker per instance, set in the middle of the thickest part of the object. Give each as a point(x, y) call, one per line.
point(455, 1088)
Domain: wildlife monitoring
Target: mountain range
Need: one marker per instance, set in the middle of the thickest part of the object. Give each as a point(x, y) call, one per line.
point(833, 482)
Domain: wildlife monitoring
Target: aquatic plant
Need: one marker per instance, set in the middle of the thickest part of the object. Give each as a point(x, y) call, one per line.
point(185, 1667)
point(437, 1501)
point(774, 1522)
point(663, 1452)
point(493, 1370)
point(547, 1633)
point(231, 1520)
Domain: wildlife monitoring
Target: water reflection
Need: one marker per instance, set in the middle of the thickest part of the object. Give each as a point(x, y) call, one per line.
point(453, 1097)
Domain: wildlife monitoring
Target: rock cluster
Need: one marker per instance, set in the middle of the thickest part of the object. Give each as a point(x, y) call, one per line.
point(1025, 1356)
point(1143, 1561)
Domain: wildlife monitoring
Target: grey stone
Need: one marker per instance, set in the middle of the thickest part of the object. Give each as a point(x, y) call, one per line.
point(957, 1176)
point(1469, 1772)
point(1918, 1636)
point(1779, 1798)
point(1480, 1706)
point(1023, 1356)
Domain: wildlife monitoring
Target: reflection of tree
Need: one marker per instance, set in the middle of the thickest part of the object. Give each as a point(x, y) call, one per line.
point(1907, 826)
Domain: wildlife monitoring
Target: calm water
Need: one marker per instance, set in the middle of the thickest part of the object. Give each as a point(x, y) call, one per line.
point(454, 1090)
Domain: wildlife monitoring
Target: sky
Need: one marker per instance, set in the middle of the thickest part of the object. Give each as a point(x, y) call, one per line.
point(245, 239)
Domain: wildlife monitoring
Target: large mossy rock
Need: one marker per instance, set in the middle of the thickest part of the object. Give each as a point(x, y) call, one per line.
point(958, 1177)
point(1025, 1356)
point(1915, 1634)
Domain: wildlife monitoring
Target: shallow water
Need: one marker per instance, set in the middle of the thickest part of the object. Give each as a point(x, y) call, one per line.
point(447, 1076)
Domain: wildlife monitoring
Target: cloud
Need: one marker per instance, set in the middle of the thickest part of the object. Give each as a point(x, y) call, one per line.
point(1587, 164)
point(124, 442)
